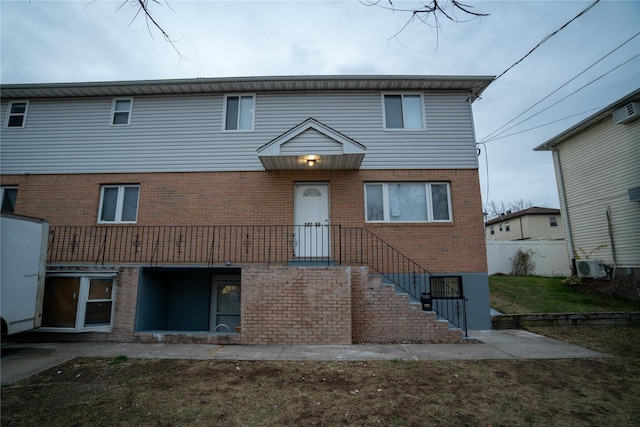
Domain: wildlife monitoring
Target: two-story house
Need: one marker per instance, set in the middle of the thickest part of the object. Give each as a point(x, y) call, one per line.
point(597, 167)
point(534, 223)
point(307, 209)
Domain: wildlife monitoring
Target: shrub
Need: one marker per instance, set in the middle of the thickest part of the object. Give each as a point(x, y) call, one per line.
point(522, 263)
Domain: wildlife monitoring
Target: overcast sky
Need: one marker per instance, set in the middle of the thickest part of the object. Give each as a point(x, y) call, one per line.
point(81, 41)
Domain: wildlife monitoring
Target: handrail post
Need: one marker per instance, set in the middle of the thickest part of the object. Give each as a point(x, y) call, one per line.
point(340, 244)
point(52, 233)
point(101, 250)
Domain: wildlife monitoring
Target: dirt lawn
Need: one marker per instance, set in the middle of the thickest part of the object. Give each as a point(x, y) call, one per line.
point(100, 392)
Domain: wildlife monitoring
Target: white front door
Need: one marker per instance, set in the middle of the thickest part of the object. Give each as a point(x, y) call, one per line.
point(312, 220)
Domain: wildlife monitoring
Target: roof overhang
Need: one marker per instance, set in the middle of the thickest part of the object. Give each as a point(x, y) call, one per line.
point(475, 85)
point(311, 145)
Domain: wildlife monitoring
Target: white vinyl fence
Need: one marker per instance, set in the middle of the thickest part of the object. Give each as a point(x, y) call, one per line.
point(550, 256)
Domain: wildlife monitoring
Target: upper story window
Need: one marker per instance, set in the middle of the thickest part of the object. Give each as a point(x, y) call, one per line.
point(121, 111)
point(403, 111)
point(8, 195)
point(118, 204)
point(500, 227)
point(507, 227)
point(408, 202)
point(553, 221)
point(239, 112)
point(493, 229)
point(17, 114)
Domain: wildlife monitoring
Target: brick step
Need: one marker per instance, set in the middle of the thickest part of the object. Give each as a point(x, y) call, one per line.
point(391, 316)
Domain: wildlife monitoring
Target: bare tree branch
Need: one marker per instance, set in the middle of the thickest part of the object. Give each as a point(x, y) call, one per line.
point(430, 13)
point(143, 7)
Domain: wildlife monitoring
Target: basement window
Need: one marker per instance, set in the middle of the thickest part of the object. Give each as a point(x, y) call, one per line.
point(78, 303)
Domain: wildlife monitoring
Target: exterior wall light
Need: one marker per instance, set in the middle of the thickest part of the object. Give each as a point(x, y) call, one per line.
point(311, 160)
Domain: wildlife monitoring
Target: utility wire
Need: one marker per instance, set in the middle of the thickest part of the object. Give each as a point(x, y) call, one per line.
point(542, 125)
point(571, 94)
point(547, 38)
point(489, 136)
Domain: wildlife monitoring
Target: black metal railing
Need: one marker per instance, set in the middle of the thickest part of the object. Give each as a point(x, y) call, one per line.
point(271, 244)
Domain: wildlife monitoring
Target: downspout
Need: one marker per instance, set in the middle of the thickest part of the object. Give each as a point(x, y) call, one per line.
point(613, 248)
point(473, 133)
point(521, 232)
point(565, 211)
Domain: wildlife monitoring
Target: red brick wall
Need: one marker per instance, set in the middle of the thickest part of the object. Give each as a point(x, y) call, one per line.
point(288, 305)
point(380, 315)
point(296, 305)
point(238, 198)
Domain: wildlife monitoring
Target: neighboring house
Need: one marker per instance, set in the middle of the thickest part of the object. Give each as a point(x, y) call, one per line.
point(597, 165)
point(528, 224)
point(253, 210)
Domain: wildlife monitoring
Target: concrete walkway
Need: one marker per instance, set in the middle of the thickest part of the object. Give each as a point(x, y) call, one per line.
point(21, 360)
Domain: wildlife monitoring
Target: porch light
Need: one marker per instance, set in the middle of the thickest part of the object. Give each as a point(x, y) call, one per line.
point(311, 160)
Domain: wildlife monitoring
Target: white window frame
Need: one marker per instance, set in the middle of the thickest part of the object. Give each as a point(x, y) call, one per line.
point(10, 114)
point(492, 229)
point(402, 95)
point(83, 298)
point(2, 192)
point(553, 221)
point(114, 111)
point(119, 203)
point(224, 112)
point(386, 207)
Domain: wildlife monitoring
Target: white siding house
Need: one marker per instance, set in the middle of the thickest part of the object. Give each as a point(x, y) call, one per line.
point(179, 126)
point(534, 223)
point(597, 165)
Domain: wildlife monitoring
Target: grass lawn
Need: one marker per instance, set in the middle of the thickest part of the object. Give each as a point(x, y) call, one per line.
point(534, 294)
point(577, 392)
point(572, 392)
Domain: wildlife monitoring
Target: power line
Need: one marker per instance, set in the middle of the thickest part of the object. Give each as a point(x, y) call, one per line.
point(547, 38)
point(571, 94)
point(488, 137)
point(542, 125)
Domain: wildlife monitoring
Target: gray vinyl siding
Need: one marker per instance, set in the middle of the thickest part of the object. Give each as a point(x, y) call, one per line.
point(599, 165)
point(184, 133)
point(311, 141)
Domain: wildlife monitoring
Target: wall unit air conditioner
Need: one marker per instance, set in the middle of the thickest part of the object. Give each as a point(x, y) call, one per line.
point(591, 268)
point(625, 114)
